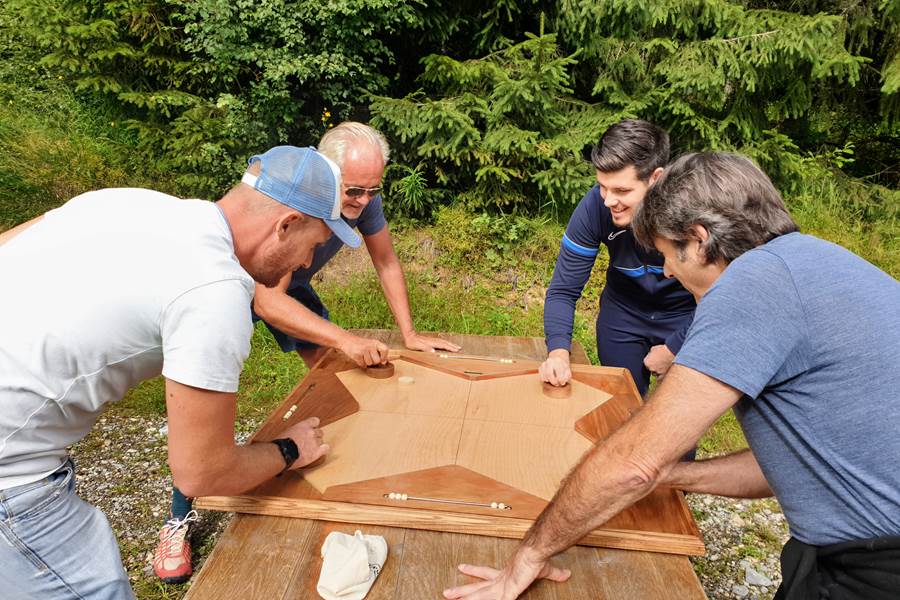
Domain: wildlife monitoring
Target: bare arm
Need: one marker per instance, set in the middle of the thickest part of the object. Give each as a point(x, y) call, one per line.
point(737, 475)
point(203, 456)
point(393, 282)
point(11, 233)
point(610, 477)
point(286, 314)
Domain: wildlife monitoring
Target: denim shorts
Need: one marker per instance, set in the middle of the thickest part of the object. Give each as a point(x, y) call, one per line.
point(55, 545)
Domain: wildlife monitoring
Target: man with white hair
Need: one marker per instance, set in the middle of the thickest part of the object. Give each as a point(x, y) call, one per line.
point(120, 285)
point(297, 317)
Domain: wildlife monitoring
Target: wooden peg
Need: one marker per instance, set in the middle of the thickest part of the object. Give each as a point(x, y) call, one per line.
point(385, 371)
point(557, 391)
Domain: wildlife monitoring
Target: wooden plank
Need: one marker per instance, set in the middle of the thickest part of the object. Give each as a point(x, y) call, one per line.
point(639, 575)
point(272, 545)
point(429, 563)
point(525, 348)
point(454, 522)
point(306, 576)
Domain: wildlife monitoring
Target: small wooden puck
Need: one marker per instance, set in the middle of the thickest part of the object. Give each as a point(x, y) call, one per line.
point(384, 371)
point(557, 391)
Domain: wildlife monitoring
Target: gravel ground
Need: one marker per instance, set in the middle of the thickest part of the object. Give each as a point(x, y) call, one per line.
point(122, 470)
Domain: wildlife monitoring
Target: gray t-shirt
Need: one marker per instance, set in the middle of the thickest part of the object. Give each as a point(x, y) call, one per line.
point(369, 222)
point(810, 333)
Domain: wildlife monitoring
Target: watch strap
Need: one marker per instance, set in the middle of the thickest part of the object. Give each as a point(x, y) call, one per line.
point(289, 452)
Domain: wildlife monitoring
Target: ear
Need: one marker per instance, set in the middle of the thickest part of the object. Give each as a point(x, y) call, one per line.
point(287, 221)
point(657, 172)
point(699, 233)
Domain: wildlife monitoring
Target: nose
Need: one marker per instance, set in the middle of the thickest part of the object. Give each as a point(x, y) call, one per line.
point(666, 270)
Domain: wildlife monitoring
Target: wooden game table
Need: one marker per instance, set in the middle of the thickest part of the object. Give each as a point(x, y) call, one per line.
point(268, 557)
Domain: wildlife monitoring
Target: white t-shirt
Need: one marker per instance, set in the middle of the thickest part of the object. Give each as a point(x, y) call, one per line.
point(112, 288)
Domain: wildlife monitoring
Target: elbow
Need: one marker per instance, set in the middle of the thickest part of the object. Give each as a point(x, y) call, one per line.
point(641, 476)
point(262, 308)
point(193, 480)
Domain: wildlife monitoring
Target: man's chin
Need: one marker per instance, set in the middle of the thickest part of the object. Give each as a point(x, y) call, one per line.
point(622, 221)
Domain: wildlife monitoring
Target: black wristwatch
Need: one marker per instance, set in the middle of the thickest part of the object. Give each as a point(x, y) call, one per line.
point(289, 452)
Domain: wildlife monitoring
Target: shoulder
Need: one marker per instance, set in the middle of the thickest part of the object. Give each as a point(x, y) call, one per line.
point(588, 220)
point(373, 210)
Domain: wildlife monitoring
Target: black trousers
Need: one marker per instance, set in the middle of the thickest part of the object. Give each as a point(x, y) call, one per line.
point(859, 570)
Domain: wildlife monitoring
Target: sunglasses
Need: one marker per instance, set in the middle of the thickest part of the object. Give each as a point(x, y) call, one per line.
point(356, 192)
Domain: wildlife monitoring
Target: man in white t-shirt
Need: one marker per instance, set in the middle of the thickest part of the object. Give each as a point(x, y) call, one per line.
point(118, 286)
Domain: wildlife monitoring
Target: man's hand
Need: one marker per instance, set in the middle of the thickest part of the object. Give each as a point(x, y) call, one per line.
point(363, 351)
point(556, 370)
point(308, 437)
point(417, 341)
point(658, 360)
point(507, 584)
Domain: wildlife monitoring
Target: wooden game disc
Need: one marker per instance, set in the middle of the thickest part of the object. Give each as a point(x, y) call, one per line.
point(555, 391)
point(384, 371)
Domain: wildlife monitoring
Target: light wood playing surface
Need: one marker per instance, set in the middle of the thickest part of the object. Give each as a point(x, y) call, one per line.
point(277, 557)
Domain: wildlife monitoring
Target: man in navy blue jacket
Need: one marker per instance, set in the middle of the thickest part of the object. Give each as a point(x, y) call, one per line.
point(644, 316)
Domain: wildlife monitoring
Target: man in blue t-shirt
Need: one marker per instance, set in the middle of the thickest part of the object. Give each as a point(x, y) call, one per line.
point(643, 315)
point(298, 319)
point(791, 332)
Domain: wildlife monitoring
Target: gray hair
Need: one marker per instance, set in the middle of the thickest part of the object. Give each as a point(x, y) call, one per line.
point(628, 143)
point(335, 142)
point(725, 193)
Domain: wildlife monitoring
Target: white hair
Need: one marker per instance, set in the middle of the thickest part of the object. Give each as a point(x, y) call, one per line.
point(335, 142)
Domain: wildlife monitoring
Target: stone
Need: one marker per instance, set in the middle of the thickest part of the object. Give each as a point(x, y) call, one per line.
point(741, 591)
point(754, 577)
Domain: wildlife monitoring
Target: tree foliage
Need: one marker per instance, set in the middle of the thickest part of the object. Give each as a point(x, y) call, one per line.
point(500, 132)
point(477, 108)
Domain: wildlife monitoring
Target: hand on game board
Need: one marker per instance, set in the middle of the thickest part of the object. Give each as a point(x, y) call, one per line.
point(417, 341)
point(364, 351)
point(519, 573)
point(308, 437)
point(556, 369)
point(659, 359)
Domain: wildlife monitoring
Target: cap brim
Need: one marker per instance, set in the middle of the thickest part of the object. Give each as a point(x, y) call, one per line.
point(344, 232)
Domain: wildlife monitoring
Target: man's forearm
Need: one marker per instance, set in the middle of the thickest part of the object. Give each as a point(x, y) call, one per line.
point(627, 465)
point(289, 316)
point(736, 475)
point(233, 471)
point(600, 487)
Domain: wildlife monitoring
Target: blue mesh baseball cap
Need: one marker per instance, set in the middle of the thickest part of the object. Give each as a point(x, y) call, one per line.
point(306, 181)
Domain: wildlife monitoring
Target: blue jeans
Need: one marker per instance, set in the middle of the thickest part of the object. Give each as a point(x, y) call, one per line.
point(54, 545)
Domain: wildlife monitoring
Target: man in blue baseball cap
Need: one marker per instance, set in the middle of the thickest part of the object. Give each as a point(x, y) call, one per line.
point(293, 311)
point(153, 285)
point(296, 177)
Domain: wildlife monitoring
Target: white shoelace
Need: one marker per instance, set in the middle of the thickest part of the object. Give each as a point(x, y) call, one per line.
point(176, 525)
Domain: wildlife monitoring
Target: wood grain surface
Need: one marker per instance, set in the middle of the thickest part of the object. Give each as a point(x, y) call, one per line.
point(264, 557)
point(498, 424)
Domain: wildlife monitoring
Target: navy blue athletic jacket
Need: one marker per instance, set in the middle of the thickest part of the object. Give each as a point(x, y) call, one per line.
point(634, 277)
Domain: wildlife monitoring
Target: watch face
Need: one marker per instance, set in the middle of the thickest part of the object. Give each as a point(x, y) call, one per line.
point(288, 450)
